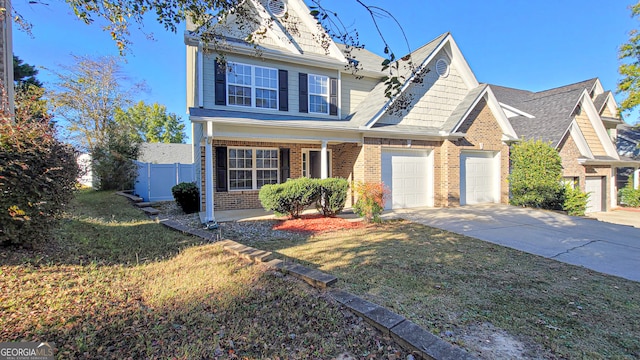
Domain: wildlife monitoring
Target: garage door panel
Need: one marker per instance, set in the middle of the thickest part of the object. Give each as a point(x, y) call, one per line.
point(408, 176)
point(478, 177)
point(594, 186)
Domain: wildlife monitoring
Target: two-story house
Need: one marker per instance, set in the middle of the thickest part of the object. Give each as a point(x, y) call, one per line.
point(579, 120)
point(289, 105)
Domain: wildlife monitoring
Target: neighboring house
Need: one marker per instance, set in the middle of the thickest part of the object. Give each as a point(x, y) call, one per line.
point(291, 106)
point(628, 147)
point(163, 153)
point(580, 121)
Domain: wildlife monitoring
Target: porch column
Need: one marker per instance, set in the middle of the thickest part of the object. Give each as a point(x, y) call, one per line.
point(208, 164)
point(324, 173)
point(636, 178)
point(200, 75)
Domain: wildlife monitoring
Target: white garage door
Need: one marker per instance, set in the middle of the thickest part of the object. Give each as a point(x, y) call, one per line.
point(409, 176)
point(479, 178)
point(593, 186)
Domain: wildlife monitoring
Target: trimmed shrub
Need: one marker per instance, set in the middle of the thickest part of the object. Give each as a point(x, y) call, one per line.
point(575, 201)
point(371, 200)
point(187, 196)
point(291, 197)
point(333, 196)
point(37, 180)
point(536, 175)
point(629, 196)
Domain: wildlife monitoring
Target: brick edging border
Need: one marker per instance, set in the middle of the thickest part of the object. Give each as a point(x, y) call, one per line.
point(406, 333)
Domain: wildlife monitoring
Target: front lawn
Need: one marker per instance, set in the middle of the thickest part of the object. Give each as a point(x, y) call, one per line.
point(473, 293)
point(115, 284)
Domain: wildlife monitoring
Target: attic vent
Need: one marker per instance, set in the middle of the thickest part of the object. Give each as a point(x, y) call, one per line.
point(277, 8)
point(442, 68)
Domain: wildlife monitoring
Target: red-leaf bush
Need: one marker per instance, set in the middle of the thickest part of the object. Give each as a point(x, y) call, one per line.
point(371, 199)
point(37, 180)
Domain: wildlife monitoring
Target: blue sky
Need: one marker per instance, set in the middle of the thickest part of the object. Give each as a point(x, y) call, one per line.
point(533, 45)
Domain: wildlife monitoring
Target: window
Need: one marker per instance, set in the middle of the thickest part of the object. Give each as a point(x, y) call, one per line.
point(251, 168)
point(252, 86)
point(318, 94)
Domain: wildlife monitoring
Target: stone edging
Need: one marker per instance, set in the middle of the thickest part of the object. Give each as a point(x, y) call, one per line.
point(406, 333)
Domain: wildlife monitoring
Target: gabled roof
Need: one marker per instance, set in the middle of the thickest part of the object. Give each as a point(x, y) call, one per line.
point(376, 102)
point(552, 109)
point(366, 60)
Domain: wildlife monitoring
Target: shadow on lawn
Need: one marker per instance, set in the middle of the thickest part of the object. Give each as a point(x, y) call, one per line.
point(201, 304)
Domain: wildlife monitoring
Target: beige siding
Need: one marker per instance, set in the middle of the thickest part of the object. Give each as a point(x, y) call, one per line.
point(433, 100)
point(293, 71)
point(589, 134)
point(354, 90)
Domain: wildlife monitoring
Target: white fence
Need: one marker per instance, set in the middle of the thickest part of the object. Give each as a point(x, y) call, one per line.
point(155, 181)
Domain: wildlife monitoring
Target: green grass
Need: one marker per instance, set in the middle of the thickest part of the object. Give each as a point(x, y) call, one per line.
point(114, 284)
point(448, 283)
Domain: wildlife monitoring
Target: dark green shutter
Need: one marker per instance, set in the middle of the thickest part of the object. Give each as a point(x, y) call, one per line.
point(333, 96)
point(220, 84)
point(283, 90)
point(303, 93)
point(221, 168)
point(285, 172)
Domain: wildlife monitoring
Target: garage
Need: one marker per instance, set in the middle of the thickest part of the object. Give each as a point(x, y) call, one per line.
point(594, 186)
point(479, 177)
point(409, 175)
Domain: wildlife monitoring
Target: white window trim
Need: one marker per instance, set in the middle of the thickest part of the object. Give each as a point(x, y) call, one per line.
point(253, 86)
point(328, 95)
point(305, 165)
point(254, 168)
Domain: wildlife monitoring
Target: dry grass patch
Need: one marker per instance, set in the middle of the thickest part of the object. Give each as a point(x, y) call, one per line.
point(117, 285)
point(459, 287)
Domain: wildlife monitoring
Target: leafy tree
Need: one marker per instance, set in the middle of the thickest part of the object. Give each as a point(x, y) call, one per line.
point(113, 158)
point(86, 96)
point(152, 123)
point(24, 74)
point(536, 175)
point(629, 54)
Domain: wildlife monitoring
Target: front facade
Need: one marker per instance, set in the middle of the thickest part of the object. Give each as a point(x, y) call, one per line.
point(580, 121)
point(291, 105)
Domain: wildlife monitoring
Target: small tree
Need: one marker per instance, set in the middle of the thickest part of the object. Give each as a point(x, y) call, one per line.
point(575, 201)
point(536, 175)
point(152, 123)
point(113, 159)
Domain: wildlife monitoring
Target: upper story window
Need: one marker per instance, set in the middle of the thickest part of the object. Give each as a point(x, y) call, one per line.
point(318, 94)
point(252, 86)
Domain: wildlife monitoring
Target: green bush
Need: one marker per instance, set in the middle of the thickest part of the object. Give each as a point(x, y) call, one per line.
point(536, 174)
point(575, 201)
point(187, 196)
point(333, 196)
point(629, 196)
point(113, 161)
point(371, 200)
point(37, 180)
point(289, 198)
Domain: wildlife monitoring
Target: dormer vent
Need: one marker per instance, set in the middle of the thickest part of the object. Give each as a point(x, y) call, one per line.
point(277, 8)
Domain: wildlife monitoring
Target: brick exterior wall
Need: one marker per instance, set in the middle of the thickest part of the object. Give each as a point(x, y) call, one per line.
point(363, 162)
point(483, 133)
point(569, 153)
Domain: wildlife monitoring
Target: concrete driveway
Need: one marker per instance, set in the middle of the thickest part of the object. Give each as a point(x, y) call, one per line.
point(604, 247)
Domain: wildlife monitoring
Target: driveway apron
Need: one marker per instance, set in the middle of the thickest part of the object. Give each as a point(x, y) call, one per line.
point(604, 247)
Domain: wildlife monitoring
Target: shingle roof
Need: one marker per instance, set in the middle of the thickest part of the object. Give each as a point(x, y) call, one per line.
point(365, 58)
point(601, 100)
point(376, 99)
point(552, 109)
point(460, 111)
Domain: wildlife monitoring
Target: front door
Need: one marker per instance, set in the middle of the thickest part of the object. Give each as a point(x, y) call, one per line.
point(311, 162)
